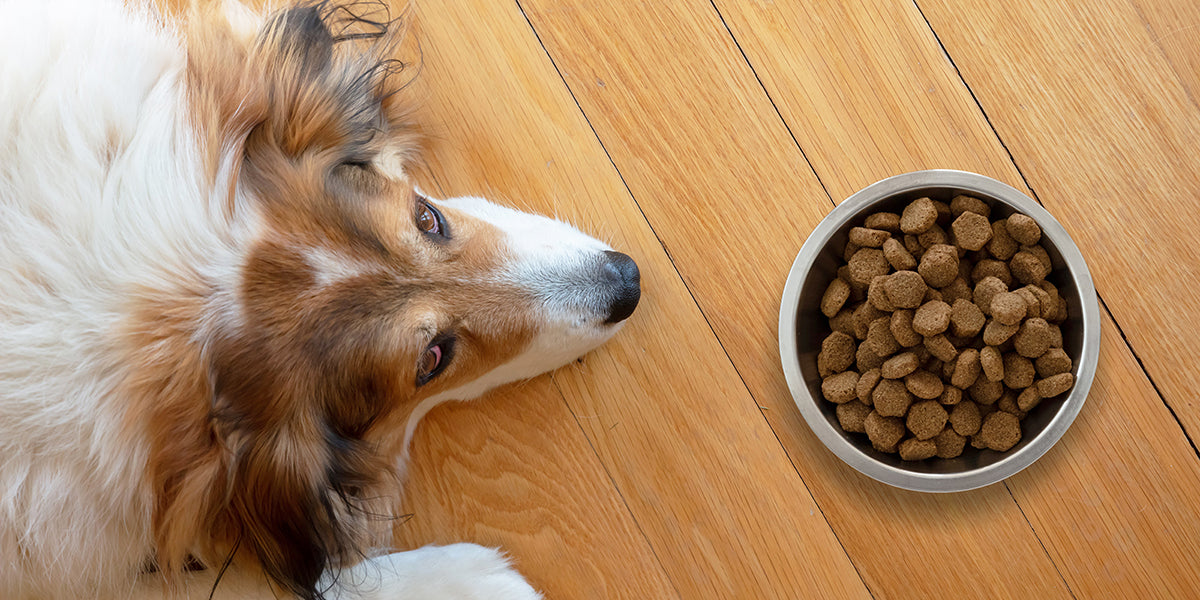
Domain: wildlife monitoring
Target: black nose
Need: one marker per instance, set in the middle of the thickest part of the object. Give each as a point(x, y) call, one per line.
point(626, 281)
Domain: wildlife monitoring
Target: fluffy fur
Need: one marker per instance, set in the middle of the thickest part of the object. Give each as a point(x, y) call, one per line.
point(224, 307)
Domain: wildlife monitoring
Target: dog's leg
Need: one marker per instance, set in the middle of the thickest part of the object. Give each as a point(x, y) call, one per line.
point(454, 572)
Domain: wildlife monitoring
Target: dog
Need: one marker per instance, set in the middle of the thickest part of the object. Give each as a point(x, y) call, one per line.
point(224, 306)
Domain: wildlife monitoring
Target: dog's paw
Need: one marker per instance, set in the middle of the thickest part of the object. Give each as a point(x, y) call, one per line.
point(454, 572)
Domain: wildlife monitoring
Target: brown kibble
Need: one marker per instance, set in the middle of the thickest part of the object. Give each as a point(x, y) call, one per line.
point(898, 256)
point(949, 443)
point(926, 419)
point(877, 296)
point(879, 338)
point(866, 385)
point(943, 211)
point(900, 365)
point(905, 289)
point(852, 416)
point(865, 359)
point(850, 250)
point(1027, 268)
point(958, 289)
point(1041, 254)
point(883, 431)
point(1008, 404)
point(1033, 339)
point(1023, 229)
point(924, 385)
point(1000, 431)
point(996, 333)
point(934, 236)
point(1055, 384)
point(941, 347)
point(992, 363)
point(902, 329)
point(913, 245)
point(864, 315)
point(1018, 371)
point(843, 322)
point(966, 318)
point(886, 221)
point(932, 295)
point(840, 388)
point(932, 318)
point(964, 418)
point(1008, 308)
point(835, 297)
point(939, 265)
point(866, 264)
point(985, 290)
point(1033, 306)
point(1029, 398)
point(891, 398)
point(971, 231)
point(868, 238)
point(977, 443)
point(837, 352)
point(963, 203)
point(985, 392)
point(950, 395)
point(1002, 244)
point(915, 449)
point(918, 216)
point(1053, 362)
point(989, 267)
point(966, 369)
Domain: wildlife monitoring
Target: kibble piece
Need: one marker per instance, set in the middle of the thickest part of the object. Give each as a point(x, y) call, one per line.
point(949, 443)
point(996, 333)
point(841, 387)
point(1041, 254)
point(992, 363)
point(868, 238)
point(1033, 306)
point(924, 385)
point(966, 369)
point(913, 245)
point(865, 359)
point(932, 294)
point(1027, 268)
point(1053, 362)
point(883, 431)
point(1018, 371)
point(966, 318)
point(958, 289)
point(926, 419)
point(891, 398)
point(962, 203)
point(986, 392)
point(1055, 384)
point(915, 449)
point(939, 265)
point(1033, 339)
point(866, 385)
point(1002, 244)
point(1023, 229)
point(843, 322)
point(964, 418)
point(985, 290)
point(1000, 431)
point(852, 415)
point(971, 231)
point(1008, 308)
point(940, 347)
point(877, 296)
point(1029, 398)
point(1008, 404)
point(898, 256)
point(934, 236)
point(918, 216)
point(905, 289)
point(900, 365)
point(835, 297)
point(864, 315)
point(989, 267)
point(902, 330)
point(850, 250)
point(868, 263)
point(837, 353)
point(886, 221)
point(931, 318)
point(879, 338)
point(950, 395)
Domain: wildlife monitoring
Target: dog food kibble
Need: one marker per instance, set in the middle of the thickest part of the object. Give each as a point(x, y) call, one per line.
point(1000, 431)
point(945, 329)
point(1023, 229)
point(885, 433)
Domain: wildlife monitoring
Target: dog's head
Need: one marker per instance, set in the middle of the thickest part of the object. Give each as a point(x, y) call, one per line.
point(360, 301)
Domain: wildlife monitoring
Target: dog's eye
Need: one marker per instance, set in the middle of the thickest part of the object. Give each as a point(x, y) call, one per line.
point(434, 360)
point(429, 219)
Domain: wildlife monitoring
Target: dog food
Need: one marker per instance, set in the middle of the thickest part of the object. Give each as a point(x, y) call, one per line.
point(945, 331)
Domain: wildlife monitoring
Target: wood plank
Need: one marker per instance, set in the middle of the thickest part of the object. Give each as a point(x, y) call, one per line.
point(665, 411)
point(1104, 131)
point(726, 189)
point(1173, 25)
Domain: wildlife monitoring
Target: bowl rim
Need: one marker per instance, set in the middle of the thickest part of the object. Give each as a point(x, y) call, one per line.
point(832, 438)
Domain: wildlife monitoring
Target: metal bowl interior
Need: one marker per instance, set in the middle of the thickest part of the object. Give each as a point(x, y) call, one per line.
point(803, 327)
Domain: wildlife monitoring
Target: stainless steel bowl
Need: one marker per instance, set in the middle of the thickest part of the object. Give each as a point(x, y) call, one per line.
point(802, 327)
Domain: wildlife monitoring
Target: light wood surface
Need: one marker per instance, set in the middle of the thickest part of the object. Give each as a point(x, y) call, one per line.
point(707, 139)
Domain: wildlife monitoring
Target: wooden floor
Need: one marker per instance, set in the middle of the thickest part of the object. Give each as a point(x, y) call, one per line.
point(707, 139)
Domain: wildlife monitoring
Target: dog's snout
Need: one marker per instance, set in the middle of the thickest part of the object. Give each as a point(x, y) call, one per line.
point(622, 273)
